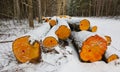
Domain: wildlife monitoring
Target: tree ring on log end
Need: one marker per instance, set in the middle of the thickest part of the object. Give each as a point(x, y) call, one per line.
point(50, 42)
point(93, 48)
point(63, 32)
point(24, 51)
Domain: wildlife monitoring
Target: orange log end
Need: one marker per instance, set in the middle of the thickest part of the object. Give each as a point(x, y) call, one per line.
point(112, 57)
point(63, 32)
point(108, 38)
point(84, 24)
point(94, 29)
point(93, 48)
point(24, 51)
point(52, 22)
point(50, 42)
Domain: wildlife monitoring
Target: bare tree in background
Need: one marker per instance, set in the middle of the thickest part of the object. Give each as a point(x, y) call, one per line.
point(30, 14)
point(16, 9)
point(39, 11)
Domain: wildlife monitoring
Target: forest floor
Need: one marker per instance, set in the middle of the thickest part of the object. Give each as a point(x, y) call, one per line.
point(10, 30)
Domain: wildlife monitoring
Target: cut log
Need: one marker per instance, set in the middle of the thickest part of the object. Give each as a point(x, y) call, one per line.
point(53, 21)
point(90, 46)
point(76, 24)
point(111, 54)
point(24, 51)
point(63, 31)
point(109, 40)
point(46, 19)
point(84, 24)
point(51, 39)
point(27, 47)
point(93, 28)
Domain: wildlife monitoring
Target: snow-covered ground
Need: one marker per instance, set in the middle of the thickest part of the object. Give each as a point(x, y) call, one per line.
point(58, 63)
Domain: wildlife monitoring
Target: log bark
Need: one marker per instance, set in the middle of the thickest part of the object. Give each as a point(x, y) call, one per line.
point(63, 31)
point(90, 46)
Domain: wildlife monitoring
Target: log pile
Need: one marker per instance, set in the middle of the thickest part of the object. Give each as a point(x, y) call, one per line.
point(90, 45)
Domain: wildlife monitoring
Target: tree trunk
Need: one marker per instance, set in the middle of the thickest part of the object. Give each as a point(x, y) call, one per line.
point(30, 14)
point(39, 11)
point(16, 9)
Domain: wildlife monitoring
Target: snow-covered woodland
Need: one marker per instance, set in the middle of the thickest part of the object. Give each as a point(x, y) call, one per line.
point(67, 57)
point(59, 36)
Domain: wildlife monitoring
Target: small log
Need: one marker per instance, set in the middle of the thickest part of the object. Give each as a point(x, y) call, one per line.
point(84, 24)
point(27, 47)
point(63, 31)
point(53, 21)
point(51, 39)
point(45, 19)
point(90, 46)
point(109, 40)
point(24, 51)
point(93, 28)
point(111, 54)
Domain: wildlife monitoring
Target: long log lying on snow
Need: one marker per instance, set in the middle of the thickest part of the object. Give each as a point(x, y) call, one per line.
point(111, 54)
point(27, 47)
point(63, 31)
point(51, 39)
point(76, 24)
point(90, 46)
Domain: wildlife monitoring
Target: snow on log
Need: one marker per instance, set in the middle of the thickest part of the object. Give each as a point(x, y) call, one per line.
point(51, 39)
point(111, 54)
point(27, 47)
point(76, 24)
point(64, 16)
point(63, 31)
point(24, 51)
point(53, 21)
point(108, 38)
point(90, 46)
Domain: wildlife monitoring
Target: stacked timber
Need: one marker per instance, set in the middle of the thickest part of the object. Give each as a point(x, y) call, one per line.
point(90, 45)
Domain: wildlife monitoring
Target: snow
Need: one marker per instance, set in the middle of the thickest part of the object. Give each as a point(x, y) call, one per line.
point(65, 61)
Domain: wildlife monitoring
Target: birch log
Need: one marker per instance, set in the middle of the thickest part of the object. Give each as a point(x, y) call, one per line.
point(51, 39)
point(63, 31)
point(111, 54)
point(90, 46)
point(27, 47)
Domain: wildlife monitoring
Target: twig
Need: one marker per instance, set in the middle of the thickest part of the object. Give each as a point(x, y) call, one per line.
point(6, 41)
